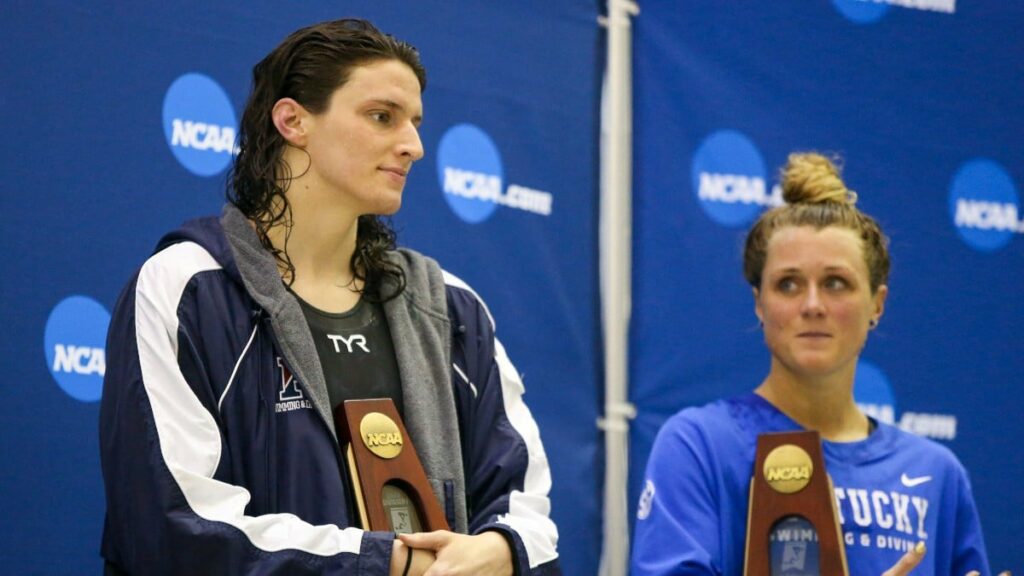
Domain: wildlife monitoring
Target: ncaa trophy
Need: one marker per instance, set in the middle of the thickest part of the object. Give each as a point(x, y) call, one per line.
point(391, 489)
point(790, 487)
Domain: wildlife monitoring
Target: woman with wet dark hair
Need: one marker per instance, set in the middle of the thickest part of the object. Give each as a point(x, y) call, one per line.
point(308, 67)
point(818, 268)
point(237, 339)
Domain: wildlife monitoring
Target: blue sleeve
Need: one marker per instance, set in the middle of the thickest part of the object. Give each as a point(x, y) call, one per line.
point(162, 449)
point(969, 553)
point(507, 474)
point(678, 528)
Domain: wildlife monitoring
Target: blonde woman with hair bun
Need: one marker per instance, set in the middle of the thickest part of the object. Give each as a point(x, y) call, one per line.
point(818, 269)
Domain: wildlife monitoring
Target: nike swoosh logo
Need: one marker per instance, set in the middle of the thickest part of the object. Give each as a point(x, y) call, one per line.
point(911, 482)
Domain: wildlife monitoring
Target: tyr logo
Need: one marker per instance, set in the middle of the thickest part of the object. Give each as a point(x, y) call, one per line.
point(353, 340)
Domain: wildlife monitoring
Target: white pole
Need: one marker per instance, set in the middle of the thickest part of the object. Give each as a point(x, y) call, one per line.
point(616, 268)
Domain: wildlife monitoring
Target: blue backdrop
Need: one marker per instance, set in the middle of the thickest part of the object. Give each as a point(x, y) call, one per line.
point(102, 157)
point(924, 104)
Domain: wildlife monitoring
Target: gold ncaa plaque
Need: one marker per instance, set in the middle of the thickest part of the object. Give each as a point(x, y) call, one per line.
point(789, 479)
point(381, 435)
point(788, 469)
point(389, 485)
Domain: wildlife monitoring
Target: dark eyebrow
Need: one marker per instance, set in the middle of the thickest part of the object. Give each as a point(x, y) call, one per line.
point(392, 105)
point(386, 103)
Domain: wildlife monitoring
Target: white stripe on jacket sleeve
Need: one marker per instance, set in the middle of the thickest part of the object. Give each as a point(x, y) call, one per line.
point(189, 437)
point(529, 511)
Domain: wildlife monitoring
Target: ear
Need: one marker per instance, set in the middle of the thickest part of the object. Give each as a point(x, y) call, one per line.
point(879, 301)
point(757, 305)
point(292, 121)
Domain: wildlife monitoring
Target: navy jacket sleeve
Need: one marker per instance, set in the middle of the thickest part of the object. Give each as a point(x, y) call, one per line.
point(507, 474)
point(162, 446)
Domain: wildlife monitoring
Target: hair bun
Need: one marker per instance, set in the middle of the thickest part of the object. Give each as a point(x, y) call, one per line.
point(811, 178)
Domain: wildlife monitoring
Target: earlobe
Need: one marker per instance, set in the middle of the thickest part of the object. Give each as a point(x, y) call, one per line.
point(291, 121)
point(880, 296)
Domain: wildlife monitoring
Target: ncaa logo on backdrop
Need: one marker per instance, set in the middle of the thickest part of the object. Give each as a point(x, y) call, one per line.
point(871, 11)
point(199, 124)
point(874, 395)
point(472, 177)
point(984, 206)
point(728, 176)
point(74, 342)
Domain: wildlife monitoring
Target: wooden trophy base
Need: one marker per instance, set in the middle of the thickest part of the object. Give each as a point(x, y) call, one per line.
point(790, 481)
point(391, 488)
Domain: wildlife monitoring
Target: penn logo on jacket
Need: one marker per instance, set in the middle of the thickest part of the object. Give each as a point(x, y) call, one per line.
point(289, 395)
